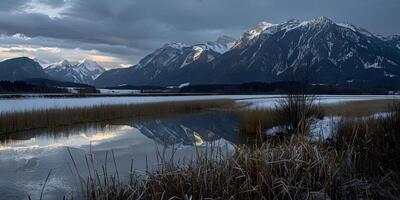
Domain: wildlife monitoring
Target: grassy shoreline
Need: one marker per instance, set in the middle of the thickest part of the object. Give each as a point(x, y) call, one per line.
point(59, 117)
point(252, 121)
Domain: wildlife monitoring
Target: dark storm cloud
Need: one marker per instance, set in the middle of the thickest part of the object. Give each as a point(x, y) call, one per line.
point(140, 26)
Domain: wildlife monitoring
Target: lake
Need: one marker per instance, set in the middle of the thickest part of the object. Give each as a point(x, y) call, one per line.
point(21, 104)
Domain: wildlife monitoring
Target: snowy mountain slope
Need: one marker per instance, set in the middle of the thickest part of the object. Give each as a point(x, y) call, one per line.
point(394, 40)
point(222, 44)
point(159, 67)
point(252, 35)
point(326, 51)
point(83, 72)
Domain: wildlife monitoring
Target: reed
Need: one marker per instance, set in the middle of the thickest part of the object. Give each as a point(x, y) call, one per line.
point(255, 121)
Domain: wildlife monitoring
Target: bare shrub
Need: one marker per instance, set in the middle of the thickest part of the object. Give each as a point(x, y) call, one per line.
point(294, 111)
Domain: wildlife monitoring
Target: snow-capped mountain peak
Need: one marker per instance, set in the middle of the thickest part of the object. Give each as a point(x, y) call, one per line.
point(222, 44)
point(259, 29)
point(90, 65)
point(84, 72)
point(59, 65)
point(176, 45)
point(64, 63)
point(251, 35)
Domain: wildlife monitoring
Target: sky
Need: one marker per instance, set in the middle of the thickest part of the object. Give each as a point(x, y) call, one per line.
point(118, 33)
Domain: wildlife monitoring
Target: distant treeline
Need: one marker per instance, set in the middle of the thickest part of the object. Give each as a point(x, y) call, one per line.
point(279, 88)
point(44, 86)
point(22, 87)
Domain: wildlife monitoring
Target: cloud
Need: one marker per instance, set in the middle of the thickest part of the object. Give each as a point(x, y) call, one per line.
point(130, 29)
point(12, 5)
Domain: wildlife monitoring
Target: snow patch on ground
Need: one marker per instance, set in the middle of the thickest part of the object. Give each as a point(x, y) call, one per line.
point(184, 85)
point(119, 91)
point(323, 129)
point(388, 74)
point(348, 26)
point(373, 65)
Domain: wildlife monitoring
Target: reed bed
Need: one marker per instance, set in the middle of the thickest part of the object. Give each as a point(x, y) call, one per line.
point(58, 117)
point(359, 108)
point(292, 169)
point(256, 121)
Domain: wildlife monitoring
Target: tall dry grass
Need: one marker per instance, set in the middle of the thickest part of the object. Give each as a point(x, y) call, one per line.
point(291, 169)
point(57, 117)
point(255, 121)
point(375, 141)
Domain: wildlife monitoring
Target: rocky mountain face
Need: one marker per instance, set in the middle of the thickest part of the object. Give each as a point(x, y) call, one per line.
point(84, 72)
point(20, 69)
point(318, 50)
point(393, 40)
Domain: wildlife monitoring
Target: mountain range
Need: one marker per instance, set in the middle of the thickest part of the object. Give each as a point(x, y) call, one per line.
point(84, 72)
point(24, 68)
point(164, 66)
point(319, 50)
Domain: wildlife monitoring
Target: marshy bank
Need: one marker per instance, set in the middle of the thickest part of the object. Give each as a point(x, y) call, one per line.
point(257, 121)
point(26, 159)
